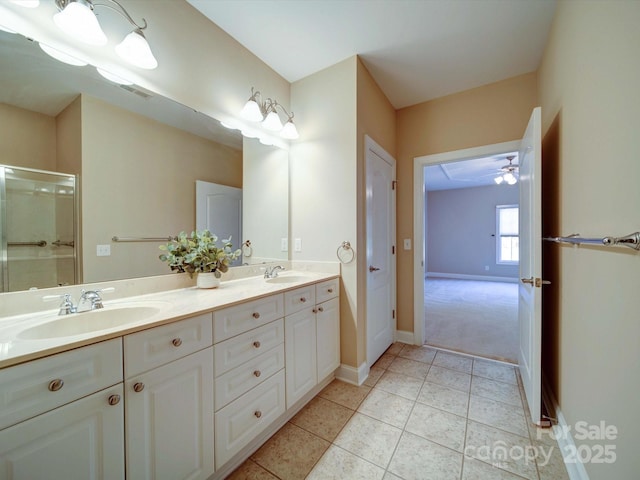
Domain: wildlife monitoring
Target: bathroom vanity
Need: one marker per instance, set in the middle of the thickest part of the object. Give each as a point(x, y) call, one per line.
point(187, 387)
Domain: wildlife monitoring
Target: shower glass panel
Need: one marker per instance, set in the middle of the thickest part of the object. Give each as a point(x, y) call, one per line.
point(38, 229)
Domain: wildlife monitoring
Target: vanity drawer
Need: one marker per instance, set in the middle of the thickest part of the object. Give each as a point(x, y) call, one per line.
point(33, 388)
point(241, 379)
point(154, 347)
point(235, 351)
point(242, 420)
point(300, 298)
point(229, 322)
point(327, 290)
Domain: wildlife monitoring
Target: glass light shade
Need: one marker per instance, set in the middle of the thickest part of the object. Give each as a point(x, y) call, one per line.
point(251, 111)
point(272, 122)
point(265, 140)
point(498, 180)
point(249, 133)
point(510, 178)
point(79, 21)
point(113, 77)
point(135, 50)
point(61, 56)
point(230, 124)
point(289, 131)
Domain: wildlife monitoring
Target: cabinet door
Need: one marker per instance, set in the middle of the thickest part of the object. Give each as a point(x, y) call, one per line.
point(169, 427)
point(328, 337)
point(83, 439)
point(300, 354)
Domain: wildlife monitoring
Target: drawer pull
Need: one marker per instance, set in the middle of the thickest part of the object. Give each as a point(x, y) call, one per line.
point(114, 399)
point(321, 309)
point(55, 385)
point(257, 413)
point(315, 310)
point(257, 373)
point(256, 344)
point(256, 315)
point(330, 290)
point(302, 299)
point(138, 387)
point(176, 342)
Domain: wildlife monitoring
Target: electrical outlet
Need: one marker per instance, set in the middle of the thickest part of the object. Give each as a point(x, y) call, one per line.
point(284, 244)
point(103, 250)
point(297, 245)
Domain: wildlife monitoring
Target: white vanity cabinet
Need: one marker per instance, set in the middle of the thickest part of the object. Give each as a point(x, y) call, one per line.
point(312, 337)
point(169, 401)
point(65, 414)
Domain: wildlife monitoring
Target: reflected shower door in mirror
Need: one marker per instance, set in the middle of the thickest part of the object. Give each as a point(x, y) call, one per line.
point(37, 227)
point(137, 156)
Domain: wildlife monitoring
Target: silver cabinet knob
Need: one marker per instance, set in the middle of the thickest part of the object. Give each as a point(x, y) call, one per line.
point(55, 385)
point(113, 399)
point(302, 299)
point(256, 344)
point(330, 290)
point(257, 373)
point(257, 413)
point(138, 387)
point(176, 342)
point(256, 315)
point(321, 309)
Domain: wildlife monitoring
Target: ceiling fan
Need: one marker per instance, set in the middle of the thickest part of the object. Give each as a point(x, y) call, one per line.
point(508, 173)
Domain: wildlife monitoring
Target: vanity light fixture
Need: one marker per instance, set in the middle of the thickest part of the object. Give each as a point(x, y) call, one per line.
point(62, 56)
point(257, 110)
point(76, 18)
point(112, 77)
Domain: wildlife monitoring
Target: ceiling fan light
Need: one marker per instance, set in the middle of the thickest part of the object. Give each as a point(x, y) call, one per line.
point(510, 178)
point(251, 111)
point(498, 179)
point(135, 50)
point(78, 20)
point(62, 56)
point(272, 122)
point(289, 131)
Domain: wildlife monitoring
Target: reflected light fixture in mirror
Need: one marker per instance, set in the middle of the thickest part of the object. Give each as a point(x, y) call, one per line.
point(27, 3)
point(62, 56)
point(77, 19)
point(257, 110)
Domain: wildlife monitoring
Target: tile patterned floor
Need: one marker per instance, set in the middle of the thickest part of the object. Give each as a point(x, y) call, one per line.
point(423, 414)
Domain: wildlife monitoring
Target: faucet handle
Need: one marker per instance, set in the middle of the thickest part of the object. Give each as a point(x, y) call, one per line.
point(94, 297)
point(66, 306)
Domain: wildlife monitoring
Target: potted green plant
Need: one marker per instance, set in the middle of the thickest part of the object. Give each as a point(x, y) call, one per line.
point(199, 253)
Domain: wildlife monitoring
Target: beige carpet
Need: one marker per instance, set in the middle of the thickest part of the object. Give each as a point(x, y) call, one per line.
point(475, 317)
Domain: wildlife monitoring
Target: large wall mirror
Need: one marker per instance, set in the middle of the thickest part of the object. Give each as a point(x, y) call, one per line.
point(136, 157)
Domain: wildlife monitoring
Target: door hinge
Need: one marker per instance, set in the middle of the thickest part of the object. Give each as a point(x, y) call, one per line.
point(393, 314)
point(393, 184)
point(393, 249)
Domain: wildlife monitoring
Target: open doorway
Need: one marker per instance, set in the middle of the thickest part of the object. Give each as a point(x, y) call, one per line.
point(469, 271)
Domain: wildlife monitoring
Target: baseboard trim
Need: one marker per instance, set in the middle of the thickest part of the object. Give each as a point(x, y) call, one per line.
point(403, 336)
point(355, 376)
point(462, 276)
point(566, 444)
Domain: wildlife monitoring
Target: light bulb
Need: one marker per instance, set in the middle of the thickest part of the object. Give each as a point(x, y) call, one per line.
point(509, 178)
point(251, 111)
point(135, 50)
point(272, 122)
point(62, 56)
point(498, 180)
point(77, 20)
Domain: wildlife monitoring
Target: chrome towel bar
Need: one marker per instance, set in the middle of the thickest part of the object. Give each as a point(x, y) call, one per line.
point(632, 240)
point(41, 243)
point(143, 239)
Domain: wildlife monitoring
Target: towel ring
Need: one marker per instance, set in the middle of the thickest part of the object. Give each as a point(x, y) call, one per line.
point(345, 252)
point(247, 251)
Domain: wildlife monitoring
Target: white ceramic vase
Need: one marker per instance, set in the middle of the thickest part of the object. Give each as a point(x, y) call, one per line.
point(207, 280)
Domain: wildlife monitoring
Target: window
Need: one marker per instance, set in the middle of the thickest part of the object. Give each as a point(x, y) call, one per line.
point(507, 239)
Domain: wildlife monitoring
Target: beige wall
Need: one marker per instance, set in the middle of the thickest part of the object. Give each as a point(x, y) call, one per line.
point(494, 113)
point(588, 82)
point(138, 179)
point(27, 139)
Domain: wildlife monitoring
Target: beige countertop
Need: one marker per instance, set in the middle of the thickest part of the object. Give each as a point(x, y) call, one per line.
point(169, 306)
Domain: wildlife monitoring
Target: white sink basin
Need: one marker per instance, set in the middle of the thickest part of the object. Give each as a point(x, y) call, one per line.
point(111, 316)
point(289, 279)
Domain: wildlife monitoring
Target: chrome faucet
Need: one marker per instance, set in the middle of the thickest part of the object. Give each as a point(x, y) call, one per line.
point(91, 297)
point(89, 300)
point(273, 271)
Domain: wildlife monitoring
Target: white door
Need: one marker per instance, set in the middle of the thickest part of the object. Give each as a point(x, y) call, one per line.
point(219, 210)
point(530, 291)
point(381, 234)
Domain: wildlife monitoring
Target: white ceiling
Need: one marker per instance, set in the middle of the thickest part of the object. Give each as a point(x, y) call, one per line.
point(477, 172)
point(416, 50)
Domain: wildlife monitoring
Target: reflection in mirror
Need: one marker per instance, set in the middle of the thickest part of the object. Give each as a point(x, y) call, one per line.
point(137, 156)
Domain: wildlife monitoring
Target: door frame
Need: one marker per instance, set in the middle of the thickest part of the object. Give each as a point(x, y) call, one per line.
point(419, 253)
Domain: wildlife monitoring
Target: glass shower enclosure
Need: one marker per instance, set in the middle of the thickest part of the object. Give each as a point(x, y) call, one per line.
point(37, 229)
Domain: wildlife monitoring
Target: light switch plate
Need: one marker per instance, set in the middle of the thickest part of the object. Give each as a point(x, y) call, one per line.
point(103, 250)
point(284, 244)
point(297, 245)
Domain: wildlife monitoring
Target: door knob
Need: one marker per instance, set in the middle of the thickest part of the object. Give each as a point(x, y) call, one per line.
point(527, 280)
point(373, 269)
point(537, 282)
